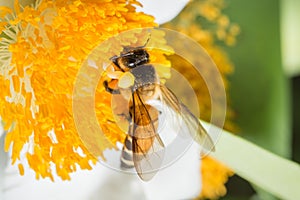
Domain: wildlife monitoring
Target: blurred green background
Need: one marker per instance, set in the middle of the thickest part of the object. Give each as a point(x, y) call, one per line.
point(265, 87)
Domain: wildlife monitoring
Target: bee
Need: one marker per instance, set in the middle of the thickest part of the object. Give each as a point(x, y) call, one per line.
point(143, 147)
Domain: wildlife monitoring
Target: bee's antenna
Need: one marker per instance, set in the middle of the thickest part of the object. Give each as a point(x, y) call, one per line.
point(147, 41)
point(128, 48)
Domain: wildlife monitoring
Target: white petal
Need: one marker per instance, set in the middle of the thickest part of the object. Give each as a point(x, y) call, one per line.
point(181, 180)
point(162, 10)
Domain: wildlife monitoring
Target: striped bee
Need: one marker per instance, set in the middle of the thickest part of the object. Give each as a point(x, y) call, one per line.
point(143, 148)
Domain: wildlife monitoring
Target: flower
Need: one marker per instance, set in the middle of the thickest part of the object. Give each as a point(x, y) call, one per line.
point(214, 176)
point(42, 48)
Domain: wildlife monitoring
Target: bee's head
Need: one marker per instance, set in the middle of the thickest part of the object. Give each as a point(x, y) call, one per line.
point(131, 58)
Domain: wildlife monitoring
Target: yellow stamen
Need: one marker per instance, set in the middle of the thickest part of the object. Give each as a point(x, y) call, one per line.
point(21, 169)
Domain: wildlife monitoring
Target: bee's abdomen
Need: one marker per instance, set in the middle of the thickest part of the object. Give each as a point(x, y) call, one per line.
point(127, 156)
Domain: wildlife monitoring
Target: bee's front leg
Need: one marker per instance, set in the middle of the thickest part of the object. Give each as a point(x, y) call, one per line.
point(110, 90)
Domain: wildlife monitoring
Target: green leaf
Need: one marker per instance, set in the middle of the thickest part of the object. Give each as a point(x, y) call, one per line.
point(274, 174)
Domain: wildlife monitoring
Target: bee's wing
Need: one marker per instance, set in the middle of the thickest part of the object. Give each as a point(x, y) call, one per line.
point(147, 146)
point(196, 130)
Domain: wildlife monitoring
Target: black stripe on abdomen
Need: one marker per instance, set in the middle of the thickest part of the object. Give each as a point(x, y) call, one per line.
point(127, 156)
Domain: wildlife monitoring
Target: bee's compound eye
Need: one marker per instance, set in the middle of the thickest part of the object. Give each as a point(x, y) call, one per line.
point(129, 62)
point(131, 65)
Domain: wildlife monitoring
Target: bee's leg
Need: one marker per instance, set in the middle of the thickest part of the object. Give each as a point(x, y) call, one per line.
point(110, 90)
point(125, 116)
